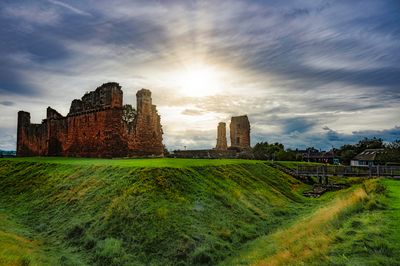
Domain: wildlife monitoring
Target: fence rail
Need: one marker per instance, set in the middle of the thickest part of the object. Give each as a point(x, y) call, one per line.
point(334, 170)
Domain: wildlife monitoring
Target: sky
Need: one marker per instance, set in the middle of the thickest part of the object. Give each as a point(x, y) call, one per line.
point(307, 73)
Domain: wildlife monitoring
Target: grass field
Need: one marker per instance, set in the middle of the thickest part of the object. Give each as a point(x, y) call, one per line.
point(359, 227)
point(148, 162)
point(57, 211)
point(293, 164)
point(118, 215)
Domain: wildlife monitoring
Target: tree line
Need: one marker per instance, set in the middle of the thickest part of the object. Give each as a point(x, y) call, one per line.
point(277, 151)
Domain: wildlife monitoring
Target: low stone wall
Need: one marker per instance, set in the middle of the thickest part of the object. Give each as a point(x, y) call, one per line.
point(205, 154)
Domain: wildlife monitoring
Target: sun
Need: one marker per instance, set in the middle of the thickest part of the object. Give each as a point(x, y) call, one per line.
point(199, 80)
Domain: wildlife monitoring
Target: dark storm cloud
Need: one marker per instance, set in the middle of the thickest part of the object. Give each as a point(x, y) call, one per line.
point(338, 139)
point(328, 138)
point(300, 124)
point(387, 78)
point(284, 49)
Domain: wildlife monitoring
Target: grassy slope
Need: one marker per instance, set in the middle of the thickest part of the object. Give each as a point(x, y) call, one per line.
point(15, 249)
point(293, 164)
point(360, 227)
point(61, 211)
point(371, 236)
point(104, 212)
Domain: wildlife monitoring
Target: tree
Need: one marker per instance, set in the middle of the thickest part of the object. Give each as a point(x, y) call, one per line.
point(369, 143)
point(349, 151)
point(274, 151)
point(260, 151)
point(391, 153)
point(166, 152)
point(128, 113)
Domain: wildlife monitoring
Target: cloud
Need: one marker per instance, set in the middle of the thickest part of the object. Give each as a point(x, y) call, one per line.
point(192, 112)
point(8, 139)
point(7, 103)
point(70, 8)
point(292, 66)
point(32, 14)
point(299, 124)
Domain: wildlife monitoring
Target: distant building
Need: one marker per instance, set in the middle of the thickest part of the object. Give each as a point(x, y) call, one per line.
point(367, 158)
point(313, 155)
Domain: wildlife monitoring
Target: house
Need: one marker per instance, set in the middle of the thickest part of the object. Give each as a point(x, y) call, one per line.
point(367, 158)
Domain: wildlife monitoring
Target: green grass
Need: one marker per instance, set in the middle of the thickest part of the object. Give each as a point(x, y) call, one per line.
point(106, 214)
point(304, 240)
point(371, 236)
point(358, 227)
point(148, 162)
point(72, 211)
point(19, 247)
point(293, 164)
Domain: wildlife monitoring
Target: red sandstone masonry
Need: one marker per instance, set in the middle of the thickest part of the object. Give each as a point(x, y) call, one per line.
point(240, 132)
point(94, 128)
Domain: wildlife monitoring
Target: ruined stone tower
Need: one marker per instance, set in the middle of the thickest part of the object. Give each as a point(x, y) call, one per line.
point(221, 137)
point(94, 127)
point(240, 132)
point(148, 137)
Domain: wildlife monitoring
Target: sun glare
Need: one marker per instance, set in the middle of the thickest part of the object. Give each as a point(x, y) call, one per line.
point(199, 80)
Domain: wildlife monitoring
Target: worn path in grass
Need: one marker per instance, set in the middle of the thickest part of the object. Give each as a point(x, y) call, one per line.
point(359, 228)
point(307, 238)
point(371, 236)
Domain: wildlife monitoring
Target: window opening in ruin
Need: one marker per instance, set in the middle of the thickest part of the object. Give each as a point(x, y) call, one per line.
point(237, 140)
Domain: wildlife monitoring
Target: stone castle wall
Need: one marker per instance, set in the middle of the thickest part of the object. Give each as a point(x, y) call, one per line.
point(240, 132)
point(94, 128)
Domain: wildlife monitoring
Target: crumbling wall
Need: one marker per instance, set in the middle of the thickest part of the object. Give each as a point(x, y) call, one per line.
point(31, 138)
point(93, 128)
point(108, 95)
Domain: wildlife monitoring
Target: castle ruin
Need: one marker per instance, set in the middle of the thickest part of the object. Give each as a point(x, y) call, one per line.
point(221, 137)
point(97, 125)
point(240, 132)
